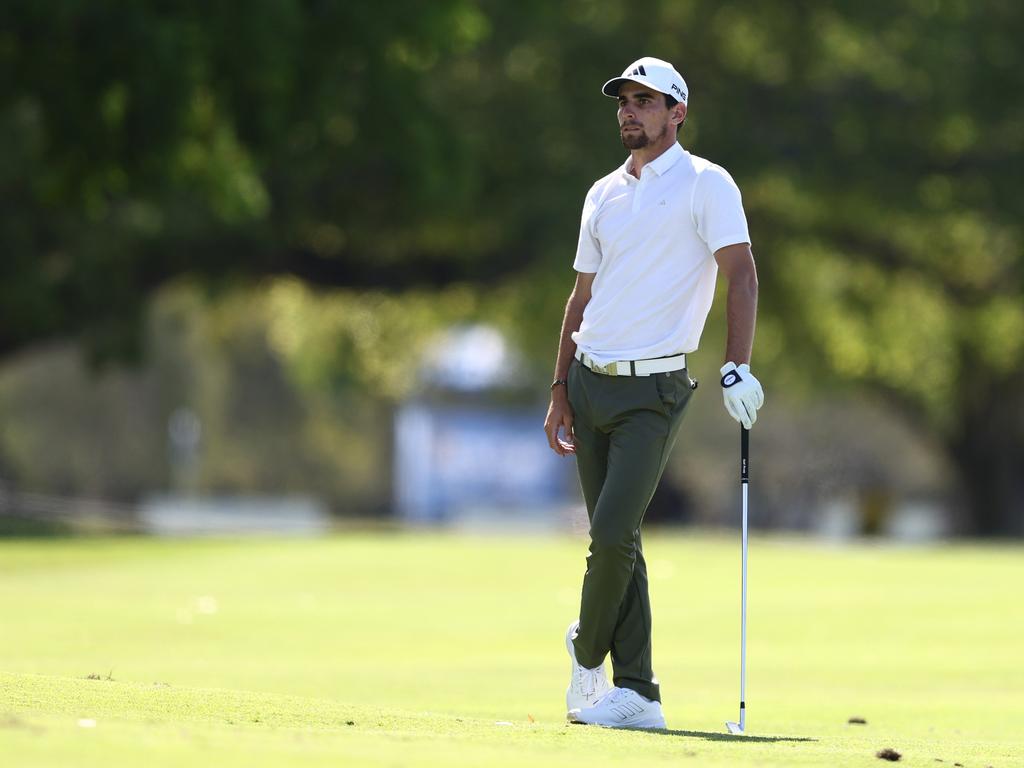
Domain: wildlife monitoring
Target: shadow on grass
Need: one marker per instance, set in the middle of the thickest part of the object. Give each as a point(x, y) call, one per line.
point(711, 736)
point(708, 735)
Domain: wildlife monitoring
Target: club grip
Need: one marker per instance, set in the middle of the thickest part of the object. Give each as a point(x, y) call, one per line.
point(744, 454)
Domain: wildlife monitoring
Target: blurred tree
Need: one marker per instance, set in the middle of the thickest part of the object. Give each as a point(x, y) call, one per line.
point(410, 144)
point(883, 179)
point(72, 431)
point(147, 140)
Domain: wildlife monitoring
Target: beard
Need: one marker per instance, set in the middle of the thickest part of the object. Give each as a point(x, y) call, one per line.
point(641, 139)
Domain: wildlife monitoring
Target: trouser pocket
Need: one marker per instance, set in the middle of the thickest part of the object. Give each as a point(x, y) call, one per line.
point(673, 388)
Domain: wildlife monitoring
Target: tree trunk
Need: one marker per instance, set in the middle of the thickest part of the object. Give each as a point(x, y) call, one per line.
point(988, 450)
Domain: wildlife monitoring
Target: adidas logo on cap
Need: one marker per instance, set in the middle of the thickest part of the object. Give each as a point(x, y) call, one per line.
point(654, 73)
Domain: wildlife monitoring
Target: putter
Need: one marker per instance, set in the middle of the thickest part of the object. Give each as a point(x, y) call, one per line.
point(737, 728)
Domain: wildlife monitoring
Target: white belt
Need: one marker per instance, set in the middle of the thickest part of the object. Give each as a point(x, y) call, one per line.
point(634, 367)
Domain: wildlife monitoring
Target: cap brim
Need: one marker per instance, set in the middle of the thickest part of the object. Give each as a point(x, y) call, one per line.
point(611, 88)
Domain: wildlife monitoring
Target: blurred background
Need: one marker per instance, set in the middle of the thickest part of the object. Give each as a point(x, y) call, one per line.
point(291, 265)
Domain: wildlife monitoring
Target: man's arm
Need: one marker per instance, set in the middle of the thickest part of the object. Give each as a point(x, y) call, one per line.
point(737, 264)
point(740, 389)
point(559, 411)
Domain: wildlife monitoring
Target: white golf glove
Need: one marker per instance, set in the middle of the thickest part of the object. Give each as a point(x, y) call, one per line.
point(742, 392)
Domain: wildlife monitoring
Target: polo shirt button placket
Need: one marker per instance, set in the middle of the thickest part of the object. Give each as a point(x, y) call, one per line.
point(639, 188)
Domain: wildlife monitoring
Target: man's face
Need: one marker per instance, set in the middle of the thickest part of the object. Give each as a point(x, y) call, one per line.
point(644, 118)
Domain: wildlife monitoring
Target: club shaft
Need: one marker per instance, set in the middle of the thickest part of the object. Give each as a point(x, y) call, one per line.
point(744, 481)
point(743, 608)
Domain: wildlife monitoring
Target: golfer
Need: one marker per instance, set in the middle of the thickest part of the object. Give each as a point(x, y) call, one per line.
point(655, 233)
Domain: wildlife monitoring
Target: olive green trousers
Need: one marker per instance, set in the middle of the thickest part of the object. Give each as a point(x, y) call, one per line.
point(624, 428)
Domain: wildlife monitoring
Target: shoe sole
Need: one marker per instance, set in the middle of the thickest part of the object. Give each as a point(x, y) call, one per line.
point(651, 724)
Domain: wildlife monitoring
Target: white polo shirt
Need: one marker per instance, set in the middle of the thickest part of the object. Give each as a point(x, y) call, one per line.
point(651, 242)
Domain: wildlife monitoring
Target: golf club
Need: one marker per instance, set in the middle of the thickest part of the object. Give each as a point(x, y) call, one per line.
point(737, 728)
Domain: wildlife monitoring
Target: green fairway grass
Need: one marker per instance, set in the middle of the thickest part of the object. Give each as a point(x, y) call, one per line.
point(412, 649)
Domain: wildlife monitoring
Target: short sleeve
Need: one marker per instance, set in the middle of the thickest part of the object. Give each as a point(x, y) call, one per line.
point(718, 210)
point(588, 251)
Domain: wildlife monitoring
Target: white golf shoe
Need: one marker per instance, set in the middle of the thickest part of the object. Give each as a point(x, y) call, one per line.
point(620, 708)
point(586, 686)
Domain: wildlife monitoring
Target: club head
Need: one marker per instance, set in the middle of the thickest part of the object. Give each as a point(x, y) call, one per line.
point(734, 728)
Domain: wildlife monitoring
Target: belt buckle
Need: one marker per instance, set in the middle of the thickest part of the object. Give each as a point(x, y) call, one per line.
point(608, 370)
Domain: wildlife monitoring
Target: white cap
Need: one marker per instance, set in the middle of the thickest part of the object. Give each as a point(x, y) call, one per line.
point(654, 73)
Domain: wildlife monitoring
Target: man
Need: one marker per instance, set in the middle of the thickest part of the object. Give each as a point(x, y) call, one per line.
point(654, 234)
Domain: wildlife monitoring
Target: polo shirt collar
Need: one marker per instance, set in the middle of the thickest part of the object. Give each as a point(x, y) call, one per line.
point(666, 159)
point(661, 163)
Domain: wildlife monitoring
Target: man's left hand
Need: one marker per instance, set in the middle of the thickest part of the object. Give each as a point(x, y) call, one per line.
point(742, 392)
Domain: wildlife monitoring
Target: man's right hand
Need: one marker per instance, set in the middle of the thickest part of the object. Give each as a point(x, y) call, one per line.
point(559, 417)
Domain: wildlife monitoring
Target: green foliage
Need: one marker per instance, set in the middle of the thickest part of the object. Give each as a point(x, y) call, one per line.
point(371, 341)
point(71, 431)
point(408, 145)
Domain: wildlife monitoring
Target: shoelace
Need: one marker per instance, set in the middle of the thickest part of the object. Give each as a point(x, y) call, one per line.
point(611, 696)
point(587, 679)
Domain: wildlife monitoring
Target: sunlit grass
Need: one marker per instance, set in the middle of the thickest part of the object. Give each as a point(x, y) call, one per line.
point(413, 649)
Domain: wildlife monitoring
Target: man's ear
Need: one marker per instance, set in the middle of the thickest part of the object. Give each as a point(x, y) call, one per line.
point(680, 114)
